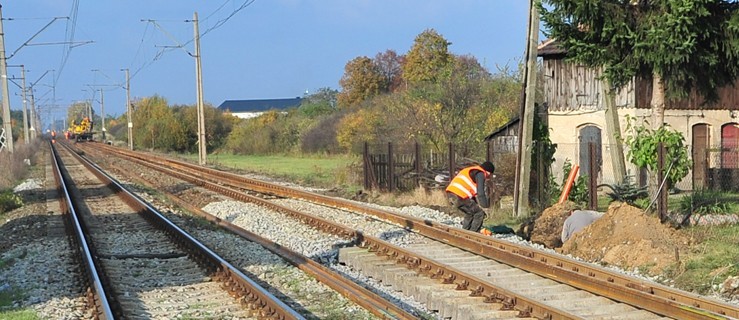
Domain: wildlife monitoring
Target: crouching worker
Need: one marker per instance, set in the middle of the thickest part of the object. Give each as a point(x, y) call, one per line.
point(578, 220)
point(466, 192)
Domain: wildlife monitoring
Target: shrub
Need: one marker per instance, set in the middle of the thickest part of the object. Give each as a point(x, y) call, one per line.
point(9, 201)
point(643, 145)
point(14, 164)
point(322, 137)
point(627, 191)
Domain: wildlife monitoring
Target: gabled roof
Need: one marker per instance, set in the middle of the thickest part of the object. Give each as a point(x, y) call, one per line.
point(259, 105)
point(500, 129)
point(550, 48)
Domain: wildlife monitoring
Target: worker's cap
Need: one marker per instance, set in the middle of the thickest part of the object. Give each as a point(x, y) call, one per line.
point(488, 166)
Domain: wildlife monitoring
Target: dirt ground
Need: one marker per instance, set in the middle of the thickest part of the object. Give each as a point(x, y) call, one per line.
point(546, 228)
point(625, 237)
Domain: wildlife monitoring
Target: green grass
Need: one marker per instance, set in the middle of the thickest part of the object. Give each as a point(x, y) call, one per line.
point(711, 261)
point(6, 302)
point(25, 314)
point(322, 171)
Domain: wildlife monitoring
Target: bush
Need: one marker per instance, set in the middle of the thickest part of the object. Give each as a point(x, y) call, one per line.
point(322, 137)
point(643, 145)
point(13, 164)
point(9, 201)
point(627, 191)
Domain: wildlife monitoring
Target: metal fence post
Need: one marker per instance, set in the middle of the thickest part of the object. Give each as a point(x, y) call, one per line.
point(661, 189)
point(367, 168)
point(390, 167)
point(592, 178)
point(452, 168)
point(418, 164)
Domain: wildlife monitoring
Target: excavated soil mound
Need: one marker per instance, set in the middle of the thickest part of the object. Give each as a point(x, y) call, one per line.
point(547, 227)
point(628, 238)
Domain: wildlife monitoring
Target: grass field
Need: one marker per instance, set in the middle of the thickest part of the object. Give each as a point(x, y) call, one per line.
point(320, 171)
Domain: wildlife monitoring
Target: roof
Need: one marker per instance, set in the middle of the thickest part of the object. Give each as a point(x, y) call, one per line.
point(500, 129)
point(550, 48)
point(259, 105)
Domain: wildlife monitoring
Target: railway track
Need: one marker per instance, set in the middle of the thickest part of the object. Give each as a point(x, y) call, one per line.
point(504, 275)
point(372, 302)
point(140, 265)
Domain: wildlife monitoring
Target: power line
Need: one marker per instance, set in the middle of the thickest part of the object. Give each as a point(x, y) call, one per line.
point(165, 50)
point(69, 38)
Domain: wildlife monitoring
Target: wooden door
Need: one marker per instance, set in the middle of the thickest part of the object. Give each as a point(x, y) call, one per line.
point(701, 140)
point(730, 146)
point(590, 134)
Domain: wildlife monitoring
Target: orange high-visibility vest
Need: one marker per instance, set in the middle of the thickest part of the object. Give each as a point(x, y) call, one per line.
point(463, 185)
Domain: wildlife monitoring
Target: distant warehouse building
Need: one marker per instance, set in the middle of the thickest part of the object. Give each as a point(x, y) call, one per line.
point(246, 109)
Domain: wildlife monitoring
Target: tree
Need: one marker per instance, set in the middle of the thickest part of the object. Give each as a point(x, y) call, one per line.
point(644, 146)
point(217, 125)
point(427, 58)
point(359, 127)
point(390, 65)
point(322, 102)
point(157, 127)
point(361, 80)
point(456, 108)
point(681, 45)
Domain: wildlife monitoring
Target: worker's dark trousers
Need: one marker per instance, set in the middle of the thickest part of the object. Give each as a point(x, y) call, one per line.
point(473, 214)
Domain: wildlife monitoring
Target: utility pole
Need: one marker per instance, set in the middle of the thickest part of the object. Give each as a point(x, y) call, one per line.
point(35, 124)
point(6, 101)
point(25, 108)
point(89, 108)
point(527, 116)
point(35, 119)
point(102, 114)
point(613, 130)
point(202, 152)
point(128, 111)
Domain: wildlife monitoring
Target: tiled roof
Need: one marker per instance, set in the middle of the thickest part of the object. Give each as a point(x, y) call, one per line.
point(259, 105)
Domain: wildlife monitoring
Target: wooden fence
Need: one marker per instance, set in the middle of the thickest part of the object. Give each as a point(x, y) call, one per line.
point(394, 167)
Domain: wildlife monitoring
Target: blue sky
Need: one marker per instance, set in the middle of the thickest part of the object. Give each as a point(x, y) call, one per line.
point(269, 49)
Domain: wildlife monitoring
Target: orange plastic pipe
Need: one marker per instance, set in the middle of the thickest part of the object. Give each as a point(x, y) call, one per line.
point(568, 185)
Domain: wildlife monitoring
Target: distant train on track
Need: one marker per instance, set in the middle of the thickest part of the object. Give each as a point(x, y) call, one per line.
point(81, 131)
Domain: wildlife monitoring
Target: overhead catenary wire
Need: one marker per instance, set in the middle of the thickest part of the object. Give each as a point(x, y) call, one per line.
point(69, 39)
point(165, 50)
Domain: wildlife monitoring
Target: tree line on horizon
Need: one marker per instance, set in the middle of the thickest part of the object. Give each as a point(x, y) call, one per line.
point(428, 95)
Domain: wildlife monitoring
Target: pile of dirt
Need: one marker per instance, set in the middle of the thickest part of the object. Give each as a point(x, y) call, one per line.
point(546, 228)
point(628, 238)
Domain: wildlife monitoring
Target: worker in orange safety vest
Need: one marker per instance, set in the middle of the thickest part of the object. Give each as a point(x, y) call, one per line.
point(466, 192)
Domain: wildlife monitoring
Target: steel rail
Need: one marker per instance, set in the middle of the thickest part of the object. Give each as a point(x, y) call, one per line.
point(257, 297)
point(374, 303)
point(464, 281)
point(354, 292)
point(97, 293)
point(645, 295)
